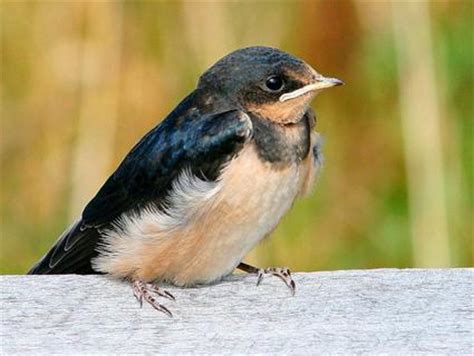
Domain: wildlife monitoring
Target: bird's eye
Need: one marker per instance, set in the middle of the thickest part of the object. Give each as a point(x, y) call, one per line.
point(274, 83)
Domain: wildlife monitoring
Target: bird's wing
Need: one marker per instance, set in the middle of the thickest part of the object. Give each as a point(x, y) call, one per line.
point(190, 141)
point(71, 253)
point(200, 143)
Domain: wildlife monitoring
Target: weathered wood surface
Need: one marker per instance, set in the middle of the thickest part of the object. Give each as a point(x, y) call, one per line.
point(389, 311)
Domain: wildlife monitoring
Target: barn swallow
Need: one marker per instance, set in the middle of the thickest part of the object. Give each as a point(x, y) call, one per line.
point(203, 187)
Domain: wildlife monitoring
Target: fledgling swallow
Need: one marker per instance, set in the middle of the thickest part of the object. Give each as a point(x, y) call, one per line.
point(202, 188)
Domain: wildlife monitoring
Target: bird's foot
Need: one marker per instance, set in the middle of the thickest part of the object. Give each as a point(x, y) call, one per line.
point(281, 272)
point(144, 291)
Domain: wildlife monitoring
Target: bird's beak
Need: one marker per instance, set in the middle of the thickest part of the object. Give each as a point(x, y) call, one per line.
point(320, 83)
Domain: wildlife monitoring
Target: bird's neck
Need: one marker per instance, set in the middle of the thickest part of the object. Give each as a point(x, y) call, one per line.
point(281, 144)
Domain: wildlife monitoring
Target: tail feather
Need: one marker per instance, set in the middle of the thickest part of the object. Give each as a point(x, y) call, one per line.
point(72, 252)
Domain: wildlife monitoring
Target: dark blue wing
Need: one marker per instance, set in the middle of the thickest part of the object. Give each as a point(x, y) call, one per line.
point(201, 143)
point(186, 139)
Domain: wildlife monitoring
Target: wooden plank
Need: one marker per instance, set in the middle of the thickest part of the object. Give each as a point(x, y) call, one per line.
point(389, 311)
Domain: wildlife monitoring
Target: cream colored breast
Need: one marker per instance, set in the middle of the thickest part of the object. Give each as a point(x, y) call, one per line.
point(208, 236)
point(253, 199)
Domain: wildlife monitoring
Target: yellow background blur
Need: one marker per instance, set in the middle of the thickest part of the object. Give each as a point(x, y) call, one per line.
point(81, 82)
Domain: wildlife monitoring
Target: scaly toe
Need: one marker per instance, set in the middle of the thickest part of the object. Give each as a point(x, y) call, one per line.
point(154, 303)
point(143, 291)
point(281, 272)
point(161, 292)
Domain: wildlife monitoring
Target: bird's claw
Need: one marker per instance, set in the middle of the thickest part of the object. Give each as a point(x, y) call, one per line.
point(281, 272)
point(142, 290)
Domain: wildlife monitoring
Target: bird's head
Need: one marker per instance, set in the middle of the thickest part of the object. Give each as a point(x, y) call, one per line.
point(266, 82)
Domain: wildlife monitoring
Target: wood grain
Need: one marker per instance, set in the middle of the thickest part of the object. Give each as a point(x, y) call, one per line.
point(359, 311)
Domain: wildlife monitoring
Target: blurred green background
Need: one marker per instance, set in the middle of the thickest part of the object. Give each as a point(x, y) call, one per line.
point(81, 82)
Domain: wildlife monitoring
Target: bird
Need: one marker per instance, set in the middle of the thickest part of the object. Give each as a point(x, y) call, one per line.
point(207, 184)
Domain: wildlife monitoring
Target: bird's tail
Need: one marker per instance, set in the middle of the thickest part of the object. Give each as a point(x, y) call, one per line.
point(72, 252)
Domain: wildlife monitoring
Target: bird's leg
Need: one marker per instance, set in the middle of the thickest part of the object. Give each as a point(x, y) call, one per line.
point(143, 290)
point(281, 272)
